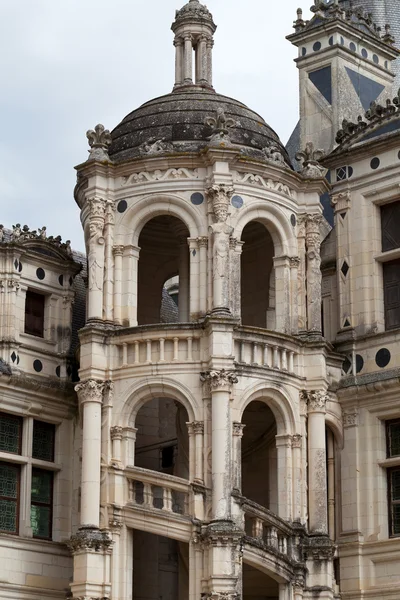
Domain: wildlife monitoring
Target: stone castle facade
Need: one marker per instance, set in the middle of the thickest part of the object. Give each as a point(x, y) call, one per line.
point(226, 423)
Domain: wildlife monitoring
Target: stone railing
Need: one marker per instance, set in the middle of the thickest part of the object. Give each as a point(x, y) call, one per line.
point(268, 531)
point(158, 344)
point(270, 350)
point(158, 491)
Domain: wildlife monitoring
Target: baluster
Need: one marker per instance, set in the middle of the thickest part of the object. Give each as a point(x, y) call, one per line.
point(255, 354)
point(284, 545)
point(257, 529)
point(132, 491)
point(190, 349)
point(162, 349)
point(274, 537)
point(176, 348)
point(291, 362)
point(147, 495)
point(124, 354)
point(148, 351)
point(284, 360)
point(137, 357)
point(242, 351)
point(276, 357)
point(266, 353)
point(268, 538)
point(167, 499)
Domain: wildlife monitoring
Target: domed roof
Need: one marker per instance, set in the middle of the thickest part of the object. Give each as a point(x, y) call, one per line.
point(193, 10)
point(186, 120)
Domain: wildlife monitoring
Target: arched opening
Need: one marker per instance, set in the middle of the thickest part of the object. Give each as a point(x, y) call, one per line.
point(258, 586)
point(164, 253)
point(162, 440)
point(257, 277)
point(160, 567)
point(259, 456)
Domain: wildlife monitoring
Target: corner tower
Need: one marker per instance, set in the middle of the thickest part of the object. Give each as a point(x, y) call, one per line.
point(345, 63)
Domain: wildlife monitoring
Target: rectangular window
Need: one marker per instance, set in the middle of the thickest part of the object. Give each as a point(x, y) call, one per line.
point(34, 314)
point(393, 438)
point(391, 289)
point(10, 433)
point(394, 501)
point(41, 503)
point(390, 225)
point(9, 497)
point(43, 441)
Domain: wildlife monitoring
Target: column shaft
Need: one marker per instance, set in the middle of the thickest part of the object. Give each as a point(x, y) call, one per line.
point(183, 281)
point(91, 443)
point(317, 492)
point(194, 293)
point(188, 59)
point(118, 250)
point(178, 61)
point(221, 454)
point(203, 242)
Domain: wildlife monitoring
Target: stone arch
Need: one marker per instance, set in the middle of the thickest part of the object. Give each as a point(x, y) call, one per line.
point(140, 393)
point(336, 426)
point(153, 206)
point(277, 401)
point(275, 222)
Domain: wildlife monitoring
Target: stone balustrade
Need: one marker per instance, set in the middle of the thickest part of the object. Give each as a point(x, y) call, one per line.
point(158, 491)
point(158, 344)
point(269, 350)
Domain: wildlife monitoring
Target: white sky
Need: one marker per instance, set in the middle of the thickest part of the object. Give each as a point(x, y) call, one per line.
point(67, 65)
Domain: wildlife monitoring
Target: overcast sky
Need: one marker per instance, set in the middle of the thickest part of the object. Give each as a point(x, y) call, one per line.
point(69, 64)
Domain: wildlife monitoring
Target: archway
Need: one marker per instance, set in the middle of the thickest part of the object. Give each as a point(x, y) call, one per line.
point(164, 253)
point(257, 277)
point(258, 586)
point(259, 456)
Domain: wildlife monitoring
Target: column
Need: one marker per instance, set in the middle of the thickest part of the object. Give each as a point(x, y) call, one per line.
point(297, 469)
point(210, 44)
point(236, 248)
point(108, 265)
point(90, 395)
point(331, 484)
point(116, 439)
point(118, 252)
point(317, 492)
point(194, 288)
point(237, 431)
point(203, 245)
point(294, 294)
point(128, 445)
point(183, 280)
point(314, 276)
point(188, 59)
point(202, 59)
point(221, 383)
point(282, 291)
point(196, 429)
point(285, 476)
point(301, 286)
point(95, 246)
point(130, 279)
point(178, 43)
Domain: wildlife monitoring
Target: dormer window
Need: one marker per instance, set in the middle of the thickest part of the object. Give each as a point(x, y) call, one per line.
point(34, 313)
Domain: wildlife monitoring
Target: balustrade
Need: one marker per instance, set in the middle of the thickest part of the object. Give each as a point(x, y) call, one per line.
point(159, 491)
point(266, 350)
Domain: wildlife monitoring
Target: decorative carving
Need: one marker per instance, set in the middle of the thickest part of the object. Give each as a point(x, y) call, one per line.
point(99, 140)
point(23, 234)
point(203, 242)
point(1, 233)
point(89, 539)
point(220, 126)
point(350, 418)
point(16, 232)
point(90, 391)
point(198, 427)
point(316, 400)
point(269, 184)
point(273, 154)
point(341, 201)
point(13, 284)
point(238, 428)
point(296, 440)
point(158, 175)
point(319, 548)
point(219, 196)
point(219, 379)
point(154, 146)
point(116, 433)
point(97, 208)
point(309, 159)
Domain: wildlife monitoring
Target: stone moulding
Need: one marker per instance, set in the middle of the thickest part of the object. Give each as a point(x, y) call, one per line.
point(158, 175)
point(268, 184)
point(89, 539)
point(218, 379)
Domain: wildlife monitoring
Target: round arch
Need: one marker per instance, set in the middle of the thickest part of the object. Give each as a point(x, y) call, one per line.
point(140, 393)
point(276, 223)
point(155, 206)
point(279, 404)
point(336, 426)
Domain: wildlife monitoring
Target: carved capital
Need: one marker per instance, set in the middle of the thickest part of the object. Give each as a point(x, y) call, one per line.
point(316, 401)
point(89, 539)
point(219, 196)
point(350, 418)
point(219, 379)
point(341, 202)
point(197, 427)
point(238, 428)
point(296, 441)
point(90, 391)
point(118, 250)
point(203, 242)
point(116, 433)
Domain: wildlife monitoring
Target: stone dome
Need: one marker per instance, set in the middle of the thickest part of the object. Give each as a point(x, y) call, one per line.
point(193, 10)
point(182, 122)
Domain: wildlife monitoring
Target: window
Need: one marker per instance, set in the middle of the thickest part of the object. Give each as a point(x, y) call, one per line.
point(34, 314)
point(393, 450)
point(14, 435)
point(390, 230)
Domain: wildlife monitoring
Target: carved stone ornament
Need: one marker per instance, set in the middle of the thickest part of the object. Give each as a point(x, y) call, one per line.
point(89, 539)
point(341, 202)
point(158, 175)
point(319, 548)
point(273, 154)
point(90, 391)
point(317, 401)
point(268, 184)
point(222, 596)
point(296, 441)
point(88, 598)
point(219, 379)
point(350, 418)
point(23, 234)
point(219, 195)
point(198, 427)
point(154, 146)
point(116, 433)
point(309, 159)
point(99, 140)
point(220, 126)
point(238, 428)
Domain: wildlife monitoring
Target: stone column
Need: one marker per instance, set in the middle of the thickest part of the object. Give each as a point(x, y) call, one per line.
point(317, 490)
point(118, 252)
point(301, 282)
point(184, 280)
point(294, 294)
point(194, 288)
point(298, 471)
point(282, 293)
point(331, 484)
point(196, 429)
point(108, 299)
point(128, 445)
point(236, 248)
point(221, 383)
point(219, 197)
point(210, 44)
point(237, 431)
point(178, 43)
point(95, 247)
point(130, 283)
point(203, 245)
point(90, 395)
point(314, 276)
point(284, 476)
point(203, 59)
point(116, 439)
point(188, 59)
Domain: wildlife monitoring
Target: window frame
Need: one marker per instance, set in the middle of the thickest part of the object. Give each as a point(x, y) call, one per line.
point(391, 502)
point(49, 505)
point(43, 317)
point(17, 467)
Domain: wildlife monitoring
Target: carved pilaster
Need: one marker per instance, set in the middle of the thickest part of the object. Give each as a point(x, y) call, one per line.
point(341, 202)
point(219, 196)
point(350, 418)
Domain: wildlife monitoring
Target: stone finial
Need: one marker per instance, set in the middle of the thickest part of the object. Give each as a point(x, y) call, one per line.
point(388, 38)
point(220, 126)
point(16, 232)
point(1, 233)
point(309, 158)
point(99, 141)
